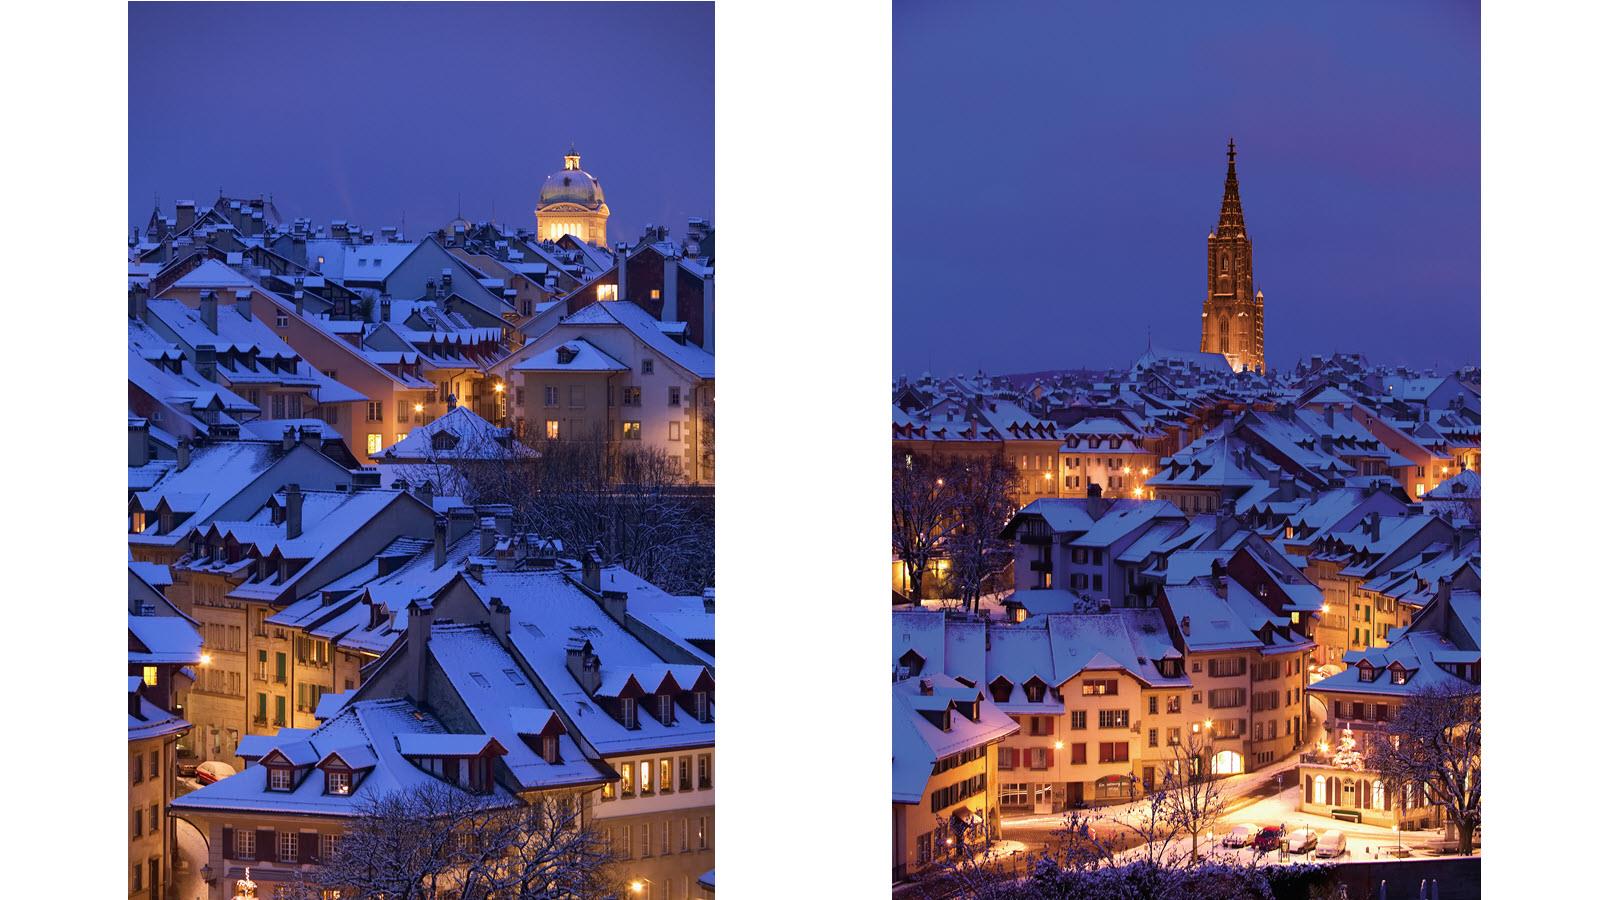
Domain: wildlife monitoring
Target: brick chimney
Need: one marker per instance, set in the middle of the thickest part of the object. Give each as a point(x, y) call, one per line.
point(419, 627)
point(183, 454)
point(1095, 504)
point(708, 316)
point(583, 664)
point(462, 521)
point(138, 298)
point(293, 504)
point(139, 443)
point(622, 271)
point(500, 621)
point(424, 492)
point(669, 288)
point(208, 310)
point(591, 568)
point(241, 303)
point(615, 604)
point(287, 442)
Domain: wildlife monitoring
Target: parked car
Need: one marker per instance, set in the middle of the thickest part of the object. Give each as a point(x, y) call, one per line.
point(1302, 840)
point(1241, 836)
point(211, 771)
point(1270, 838)
point(1330, 844)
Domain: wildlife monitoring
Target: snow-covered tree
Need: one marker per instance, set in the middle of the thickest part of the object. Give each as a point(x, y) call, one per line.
point(1435, 740)
point(1347, 756)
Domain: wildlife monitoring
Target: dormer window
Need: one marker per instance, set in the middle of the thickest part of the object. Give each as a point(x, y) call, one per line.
point(1397, 675)
point(1000, 689)
point(280, 778)
point(702, 706)
point(628, 713)
point(339, 783)
point(1035, 691)
point(550, 749)
point(664, 709)
point(1367, 672)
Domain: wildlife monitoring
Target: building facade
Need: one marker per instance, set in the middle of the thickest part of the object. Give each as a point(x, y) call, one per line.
point(571, 202)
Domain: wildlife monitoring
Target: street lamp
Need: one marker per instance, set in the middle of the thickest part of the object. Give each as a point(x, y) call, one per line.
point(1397, 839)
point(416, 407)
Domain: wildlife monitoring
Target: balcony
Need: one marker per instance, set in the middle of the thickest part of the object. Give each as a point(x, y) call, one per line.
point(1036, 538)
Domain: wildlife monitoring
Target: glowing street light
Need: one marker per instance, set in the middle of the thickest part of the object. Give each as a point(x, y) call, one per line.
point(637, 887)
point(417, 407)
point(499, 387)
point(205, 659)
point(1059, 745)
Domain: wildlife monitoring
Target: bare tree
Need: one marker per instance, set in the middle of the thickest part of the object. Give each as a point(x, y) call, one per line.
point(631, 501)
point(1434, 741)
point(982, 505)
point(434, 842)
point(923, 501)
point(1193, 799)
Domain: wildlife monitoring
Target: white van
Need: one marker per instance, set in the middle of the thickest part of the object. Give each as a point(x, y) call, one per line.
point(1330, 844)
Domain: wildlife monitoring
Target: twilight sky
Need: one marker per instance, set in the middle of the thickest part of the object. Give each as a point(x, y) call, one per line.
point(1057, 167)
point(371, 111)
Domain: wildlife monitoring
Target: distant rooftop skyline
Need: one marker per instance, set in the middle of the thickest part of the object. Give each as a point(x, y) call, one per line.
point(1058, 167)
point(378, 112)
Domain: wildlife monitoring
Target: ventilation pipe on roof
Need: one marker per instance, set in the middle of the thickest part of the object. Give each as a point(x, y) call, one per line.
point(293, 507)
point(669, 287)
point(208, 310)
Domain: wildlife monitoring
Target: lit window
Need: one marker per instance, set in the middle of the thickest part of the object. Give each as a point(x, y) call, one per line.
point(655, 293)
point(606, 291)
point(631, 431)
point(339, 783)
point(374, 444)
point(552, 429)
point(400, 436)
point(150, 675)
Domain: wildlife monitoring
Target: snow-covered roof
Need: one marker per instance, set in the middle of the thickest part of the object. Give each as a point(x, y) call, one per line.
point(377, 725)
point(919, 743)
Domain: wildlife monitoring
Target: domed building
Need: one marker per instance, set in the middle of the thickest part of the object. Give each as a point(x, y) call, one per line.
point(571, 202)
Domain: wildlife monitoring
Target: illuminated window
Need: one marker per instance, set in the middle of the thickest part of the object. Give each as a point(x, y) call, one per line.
point(400, 436)
point(646, 784)
point(138, 522)
point(374, 444)
point(552, 429)
point(606, 291)
point(339, 783)
point(150, 675)
point(666, 776)
point(626, 786)
point(631, 431)
point(655, 294)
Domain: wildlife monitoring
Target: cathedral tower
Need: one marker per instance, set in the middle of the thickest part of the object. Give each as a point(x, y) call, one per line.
point(1231, 319)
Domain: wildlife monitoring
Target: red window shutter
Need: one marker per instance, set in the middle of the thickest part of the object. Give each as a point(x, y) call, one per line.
point(1049, 724)
point(266, 844)
point(1388, 799)
point(1049, 757)
point(1308, 788)
point(227, 842)
point(308, 847)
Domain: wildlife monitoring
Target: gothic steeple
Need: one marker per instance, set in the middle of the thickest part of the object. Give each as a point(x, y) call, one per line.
point(1231, 222)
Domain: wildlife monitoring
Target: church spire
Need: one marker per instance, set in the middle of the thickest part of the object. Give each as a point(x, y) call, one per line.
point(1231, 222)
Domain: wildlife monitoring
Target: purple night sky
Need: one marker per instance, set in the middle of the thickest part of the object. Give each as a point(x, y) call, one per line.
point(1058, 166)
point(371, 111)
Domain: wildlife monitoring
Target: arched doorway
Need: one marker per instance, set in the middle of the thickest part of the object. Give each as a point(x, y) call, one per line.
point(1227, 762)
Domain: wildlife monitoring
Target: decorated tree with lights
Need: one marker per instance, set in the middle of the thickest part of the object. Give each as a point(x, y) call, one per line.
point(1347, 756)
